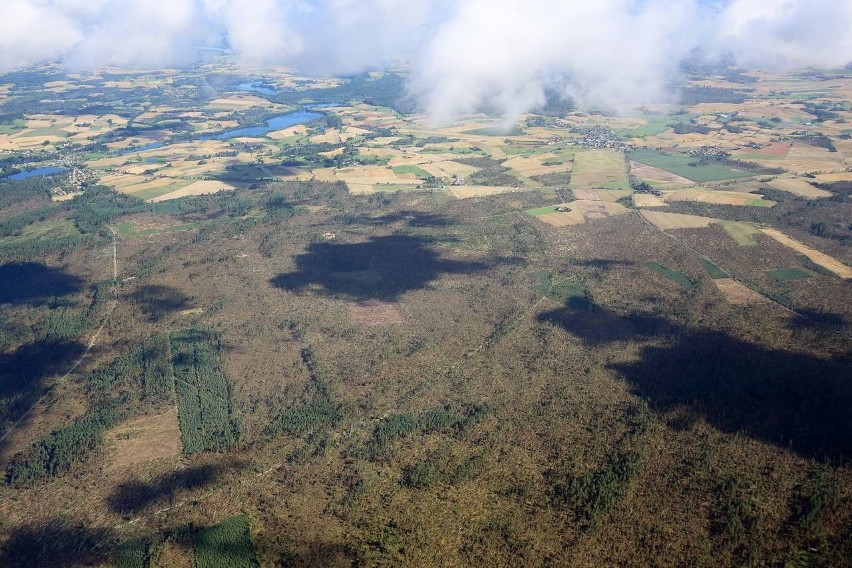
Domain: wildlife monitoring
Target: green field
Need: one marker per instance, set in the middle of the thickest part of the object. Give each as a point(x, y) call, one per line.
point(496, 131)
point(656, 125)
point(57, 228)
point(714, 271)
point(786, 274)
point(687, 166)
point(227, 545)
point(570, 292)
point(673, 275)
point(419, 172)
point(128, 229)
point(542, 211)
point(147, 194)
point(743, 233)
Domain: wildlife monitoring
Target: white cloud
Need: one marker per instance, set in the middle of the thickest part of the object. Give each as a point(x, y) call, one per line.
point(33, 32)
point(462, 54)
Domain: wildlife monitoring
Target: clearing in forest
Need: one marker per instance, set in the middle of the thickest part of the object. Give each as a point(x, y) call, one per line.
point(736, 293)
point(721, 198)
point(145, 439)
point(667, 221)
point(374, 312)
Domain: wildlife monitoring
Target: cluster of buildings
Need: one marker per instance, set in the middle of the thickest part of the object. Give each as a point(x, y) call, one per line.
point(598, 138)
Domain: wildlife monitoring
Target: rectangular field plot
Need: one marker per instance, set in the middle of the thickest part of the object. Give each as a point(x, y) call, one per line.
point(678, 278)
point(721, 198)
point(829, 263)
point(203, 392)
point(785, 274)
point(688, 166)
point(599, 169)
point(800, 187)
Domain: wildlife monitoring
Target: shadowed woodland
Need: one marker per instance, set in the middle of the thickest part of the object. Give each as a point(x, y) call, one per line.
point(382, 268)
point(792, 400)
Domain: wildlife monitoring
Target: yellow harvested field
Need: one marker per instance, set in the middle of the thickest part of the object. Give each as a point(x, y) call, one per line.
point(448, 168)
point(717, 197)
point(238, 102)
point(845, 148)
point(325, 174)
point(141, 168)
point(804, 158)
point(332, 153)
point(563, 219)
point(398, 155)
point(120, 181)
point(834, 178)
point(65, 197)
point(798, 186)
point(330, 136)
point(353, 132)
point(468, 191)
point(203, 187)
point(588, 210)
point(534, 165)
point(736, 293)
point(299, 130)
point(819, 258)
point(373, 175)
point(611, 195)
point(666, 221)
point(596, 168)
point(657, 175)
point(156, 183)
point(360, 189)
point(648, 200)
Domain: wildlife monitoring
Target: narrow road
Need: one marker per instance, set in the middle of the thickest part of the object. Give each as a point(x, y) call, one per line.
point(92, 341)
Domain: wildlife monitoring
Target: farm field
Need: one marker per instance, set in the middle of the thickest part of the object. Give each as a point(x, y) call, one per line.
point(800, 187)
point(720, 198)
point(599, 169)
point(687, 166)
point(657, 176)
point(814, 256)
point(666, 221)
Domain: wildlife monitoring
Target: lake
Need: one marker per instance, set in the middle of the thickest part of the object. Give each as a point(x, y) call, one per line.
point(276, 123)
point(256, 87)
point(37, 172)
point(137, 149)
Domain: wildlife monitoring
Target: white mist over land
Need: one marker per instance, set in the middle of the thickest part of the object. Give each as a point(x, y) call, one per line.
point(461, 55)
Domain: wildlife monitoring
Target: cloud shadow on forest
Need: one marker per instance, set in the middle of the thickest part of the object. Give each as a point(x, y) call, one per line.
point(792, 400)
point(53, 543)
point(32, 283)
point(382, 268)
point(135, 496)
point(24, 373)
point(157, 301)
